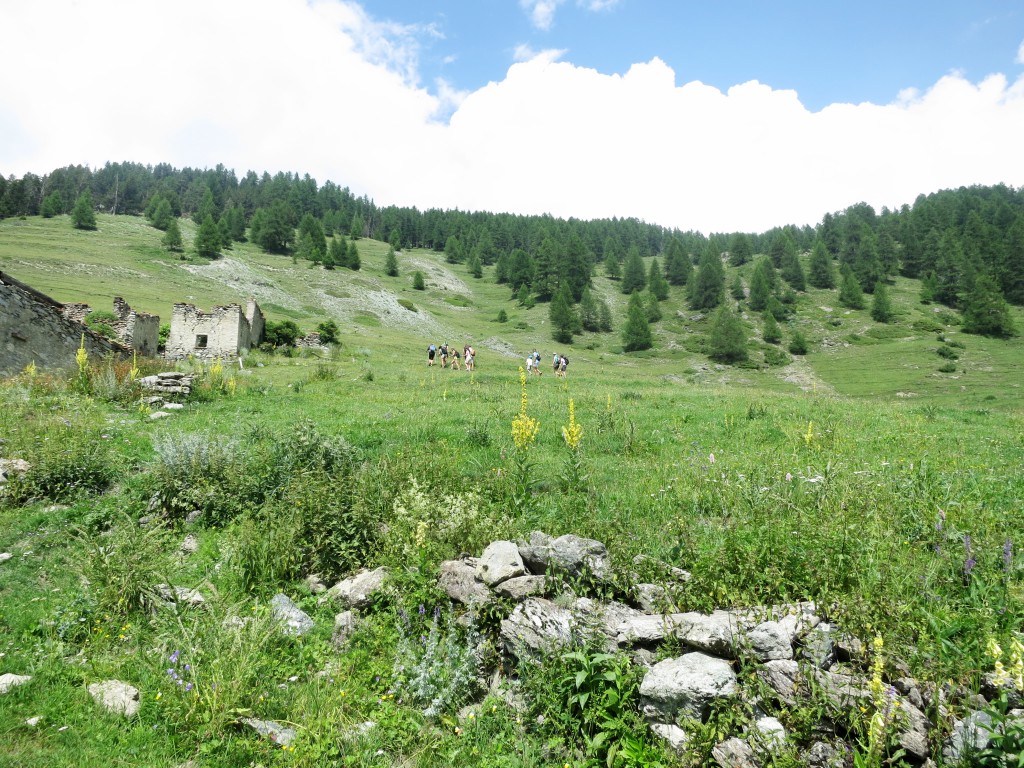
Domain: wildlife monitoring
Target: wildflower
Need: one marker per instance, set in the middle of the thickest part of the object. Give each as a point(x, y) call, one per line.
point(421, 536)
point(969, 564)
point(711, 458)
point(809, 435)
point(1008, 555)
point(524, 430)
point(573, 434)
point(173, 658)
point(82, 357)
point(188, 687)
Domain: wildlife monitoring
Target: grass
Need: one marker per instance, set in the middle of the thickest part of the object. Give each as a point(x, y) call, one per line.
point(812, 481)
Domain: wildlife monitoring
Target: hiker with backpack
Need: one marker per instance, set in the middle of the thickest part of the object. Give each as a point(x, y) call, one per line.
point(431, 351)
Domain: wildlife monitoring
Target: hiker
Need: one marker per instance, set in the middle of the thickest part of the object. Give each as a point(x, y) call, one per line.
point(529, 363)
point(470, 359)
point(535, 358)
point(556, 362)
point(455, 359)
point(431, 351)
point(444, 355)
point(563, 364)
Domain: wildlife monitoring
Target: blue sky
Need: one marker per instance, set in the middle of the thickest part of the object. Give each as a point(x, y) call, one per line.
point(703, 115)
point(827, 51)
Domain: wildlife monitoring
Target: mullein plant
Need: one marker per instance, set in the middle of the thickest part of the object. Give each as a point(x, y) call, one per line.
point(574, 477)
point(885, 713)
point(1005, 733)
point(524, 433)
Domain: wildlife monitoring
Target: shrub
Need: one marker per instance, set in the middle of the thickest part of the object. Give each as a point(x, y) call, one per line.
point(502, 316)
point(407, 304)
point(102, 322)
point(947, 353)
point(798, 344)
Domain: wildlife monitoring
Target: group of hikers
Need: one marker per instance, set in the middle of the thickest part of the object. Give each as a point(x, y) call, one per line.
point(451, 356)
point(560, 363)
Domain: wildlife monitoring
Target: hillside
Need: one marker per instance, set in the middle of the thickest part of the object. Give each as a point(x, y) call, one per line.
point(848, 352)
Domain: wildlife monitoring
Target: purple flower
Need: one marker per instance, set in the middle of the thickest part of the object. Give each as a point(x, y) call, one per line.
point(188, 686)
point(437, 612)
point(423, 610)
point(969, 564)
point(188, 667)
point(174, 657)
point(1007, 555)
point(967, 544)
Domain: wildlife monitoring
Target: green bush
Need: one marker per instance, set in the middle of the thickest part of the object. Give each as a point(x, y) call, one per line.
point(407, 304)
point(947, 353)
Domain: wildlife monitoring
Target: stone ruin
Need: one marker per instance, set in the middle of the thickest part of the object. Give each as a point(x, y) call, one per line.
point(140, 331)
point(222, 332)
point(35, 330)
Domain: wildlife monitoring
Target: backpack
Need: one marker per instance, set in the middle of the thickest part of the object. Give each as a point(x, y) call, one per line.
point(433, 348)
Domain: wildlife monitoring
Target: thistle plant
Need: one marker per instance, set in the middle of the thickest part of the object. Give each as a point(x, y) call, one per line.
point(524, 433)
point(574, 477)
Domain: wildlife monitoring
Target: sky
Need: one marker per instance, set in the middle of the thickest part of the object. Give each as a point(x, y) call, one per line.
point(692, 114)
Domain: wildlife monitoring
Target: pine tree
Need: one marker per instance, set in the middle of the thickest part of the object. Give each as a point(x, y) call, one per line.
point(395, 239)
point(309, 225)
point(633, 277)
point(501, 269)
point(850, 294)
point(798, 344)
point(207, 207)
point(83, 216)
point(356, 230)
point(736, 288)
point(792, 272)
point(708, 285)
point(589, 317)
point(651, 305)
point(881, 307)
point(53, 205)
point(172, 237)
point(986, 312)
point(656, 282)
point(561, 315)
point(822, 275)
point(524, 298)
point(612, 258)
point(391, 263)
point(207, 241)
point(352, 261)
point(929, 285)
point(604, 316)
point(162, 214)
point(727, 340)
point(452, 250)
point(771, 333)
point(740, 249)
point(678, 264)
point(636, 335)
point(474, 265)
point(418, 283)
point(224, 228)
point(337, 253)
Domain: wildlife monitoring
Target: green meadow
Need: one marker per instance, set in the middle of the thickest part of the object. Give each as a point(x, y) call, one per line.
point(858, 476)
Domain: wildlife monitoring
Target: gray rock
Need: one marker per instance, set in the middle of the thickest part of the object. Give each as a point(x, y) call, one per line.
point(293, 620)
point(522, 587)
point(116, 697)
point(769, 640)
point(572, 554)
point(8, 681)
point(818, 648)
point(193, 517)
point(344, 625)
point(784, 678)
point(841, 690)
point(277, 733)
point(190, 545)
point(315, 584)
point(685, 685)
point(499, 562)
point(357, 591)
point(5, 556)
point(652, 598)
point(173, 406)
point(823, 755)
point(158, 415)
point(180, 595)
point(913, 736)
point(972, 733)
point(672, 734)
point(537, 625)
point(32, 722)
point(849, 648)
point(714, 633)
point(734, 753)
point(769, 733)
point(458, 581)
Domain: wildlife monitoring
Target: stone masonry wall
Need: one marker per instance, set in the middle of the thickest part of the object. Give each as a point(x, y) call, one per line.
point(138, 330)
point(32, 329)
point(221, 332)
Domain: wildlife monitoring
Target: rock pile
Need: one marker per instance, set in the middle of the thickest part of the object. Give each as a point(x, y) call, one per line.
point(169, 382)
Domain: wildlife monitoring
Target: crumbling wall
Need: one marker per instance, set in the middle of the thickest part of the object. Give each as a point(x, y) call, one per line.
point(33, 329)
point(75, 312)
point(138, 330)
point(257, 323)
point(206, 335)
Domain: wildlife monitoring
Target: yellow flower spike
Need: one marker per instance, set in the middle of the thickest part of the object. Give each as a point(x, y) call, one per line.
point(82, 357)
point(809, 436)
point(573, 434)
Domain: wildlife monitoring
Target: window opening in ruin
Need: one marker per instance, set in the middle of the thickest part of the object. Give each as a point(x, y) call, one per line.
point(201, 341)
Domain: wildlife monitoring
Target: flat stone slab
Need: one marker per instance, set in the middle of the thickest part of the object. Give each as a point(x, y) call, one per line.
point(277, 733)
point(499, 562)
point(522, 587)
point(8, 681)
point(116, 697)
point(357, 591)
point(293, 619)
point(685, 685)
point(458, 580)
point(538, 625)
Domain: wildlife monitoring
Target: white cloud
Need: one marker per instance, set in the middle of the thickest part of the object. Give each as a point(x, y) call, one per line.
point(524, 52)
point(597, 5)
point(541, 12)
point(1020, 53)
point(317, 87)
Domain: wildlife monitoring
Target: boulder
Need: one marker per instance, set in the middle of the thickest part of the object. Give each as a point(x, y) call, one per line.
point(293, 620)
point(652, 598)
point(734, 753)
point(499, 562)
point(673, 735)
point(116, 697)
point(571, 554)
point(179, 596)
point(458, 581)
point(344, 625)
point(769, 734)
point(190, 545)
point(537, 625)
point(817, 647)
point(971, 733)
point(769, 640)
point(357, 591)
point(784, 678)
point(5, 556)
point(685, 685)
point(522, 587)
point(823, 755)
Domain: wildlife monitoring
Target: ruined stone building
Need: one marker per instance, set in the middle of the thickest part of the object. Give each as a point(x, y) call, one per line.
point(139, 331)
point(37, 329)
point(222, 332)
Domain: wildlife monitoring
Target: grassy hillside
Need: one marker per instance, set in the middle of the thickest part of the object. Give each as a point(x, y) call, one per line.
point(849, 353)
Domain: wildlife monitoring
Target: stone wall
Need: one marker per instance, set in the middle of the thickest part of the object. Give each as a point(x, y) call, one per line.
point(138, 330)
point(221, 332)
point(34, 330)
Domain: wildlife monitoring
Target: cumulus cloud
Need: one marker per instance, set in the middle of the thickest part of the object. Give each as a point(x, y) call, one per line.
point(317, 87)
point(1020, 53)
point(541, 12)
